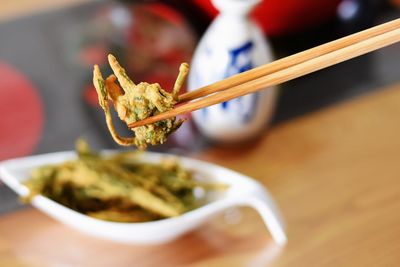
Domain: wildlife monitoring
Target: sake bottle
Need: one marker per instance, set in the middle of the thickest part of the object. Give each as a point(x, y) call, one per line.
point(232, 44)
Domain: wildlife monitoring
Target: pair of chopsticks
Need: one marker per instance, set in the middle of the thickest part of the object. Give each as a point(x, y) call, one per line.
point(283, 70)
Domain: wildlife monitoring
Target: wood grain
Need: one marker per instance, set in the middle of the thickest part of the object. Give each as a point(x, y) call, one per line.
point(334, 174)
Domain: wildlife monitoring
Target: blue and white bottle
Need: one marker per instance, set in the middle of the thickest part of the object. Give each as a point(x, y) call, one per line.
point(232, 44)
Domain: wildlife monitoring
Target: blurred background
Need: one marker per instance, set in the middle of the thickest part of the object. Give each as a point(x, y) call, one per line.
point(48, 48)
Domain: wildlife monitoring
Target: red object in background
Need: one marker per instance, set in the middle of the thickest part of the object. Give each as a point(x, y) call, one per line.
point(90, 96)
point(396, 2)
point(279, 17)
point(21, 114)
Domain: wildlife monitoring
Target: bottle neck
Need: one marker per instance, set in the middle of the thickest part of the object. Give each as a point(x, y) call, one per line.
point(234, 16)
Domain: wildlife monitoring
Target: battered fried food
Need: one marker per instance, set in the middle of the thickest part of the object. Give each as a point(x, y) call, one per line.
point(137, 102)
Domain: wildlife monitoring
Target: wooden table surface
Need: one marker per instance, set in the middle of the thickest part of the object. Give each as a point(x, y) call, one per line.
point(334, 173)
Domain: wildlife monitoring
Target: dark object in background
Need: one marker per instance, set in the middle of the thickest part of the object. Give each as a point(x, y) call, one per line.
point(299, 24)
point(198, 18)
point(283, 17)
point(152, 39)
point(396, 3)
point(355, 15)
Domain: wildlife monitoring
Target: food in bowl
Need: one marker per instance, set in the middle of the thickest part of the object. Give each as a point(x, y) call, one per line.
point(119, 187)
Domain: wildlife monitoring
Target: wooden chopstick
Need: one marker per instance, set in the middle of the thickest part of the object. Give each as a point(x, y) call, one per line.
point(289, 61)
point(283, 74)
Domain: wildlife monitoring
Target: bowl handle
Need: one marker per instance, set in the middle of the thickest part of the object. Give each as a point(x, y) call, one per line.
point(262, 202)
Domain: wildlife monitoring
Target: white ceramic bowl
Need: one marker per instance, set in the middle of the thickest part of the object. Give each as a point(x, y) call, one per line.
point(243, 191)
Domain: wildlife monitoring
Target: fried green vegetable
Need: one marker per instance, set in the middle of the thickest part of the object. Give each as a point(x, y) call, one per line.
point(137, 102)
point(119, 187)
